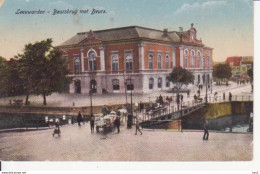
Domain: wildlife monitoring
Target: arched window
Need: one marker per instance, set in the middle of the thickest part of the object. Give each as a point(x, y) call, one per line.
point(114, 62)
point(150, 60)
point(198, 59)
point(115, 83)
point(151, 82)
point(76, 63)
point(167, 82)
point(198, 79)
point(129, 84)
point(186, 58)
point(203, 62)
point(92, 61)
point(192, 59)
point(159, 82)
point(167, 61)
point(208, 61)
point(159, 61)
point(128, 61)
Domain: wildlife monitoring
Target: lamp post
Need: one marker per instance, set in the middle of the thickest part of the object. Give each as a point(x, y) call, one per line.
point(90, 95)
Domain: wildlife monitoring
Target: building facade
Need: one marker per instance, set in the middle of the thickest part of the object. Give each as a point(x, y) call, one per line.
point(134, 58)
point(240, 65)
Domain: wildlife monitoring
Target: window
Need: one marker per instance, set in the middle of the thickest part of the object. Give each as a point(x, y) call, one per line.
point(115, 83)
point(203, 62)
point(151, 82)
point(167, 61)
point(150, 60)
point(186, 58)
point(128, 60)
point(192, 59)
point(167, 82)
point(76, 63)
point(129, 84)
point(208, 63)
point(92, 61)
point(159, 82)
point(198, 60)
point(159, 61)
point(114, 58)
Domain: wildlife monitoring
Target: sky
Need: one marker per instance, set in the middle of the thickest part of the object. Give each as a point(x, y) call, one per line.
point(224, 25)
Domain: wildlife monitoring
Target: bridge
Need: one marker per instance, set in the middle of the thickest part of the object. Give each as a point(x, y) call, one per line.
point(172, 114)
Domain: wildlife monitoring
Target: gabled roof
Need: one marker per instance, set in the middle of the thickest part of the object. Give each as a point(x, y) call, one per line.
point(234, 61)
point(124, 33)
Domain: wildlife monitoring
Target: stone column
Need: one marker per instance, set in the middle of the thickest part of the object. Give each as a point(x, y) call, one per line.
point(181, 56)
point(102, 58)
point(82, 59)
point(141, 56)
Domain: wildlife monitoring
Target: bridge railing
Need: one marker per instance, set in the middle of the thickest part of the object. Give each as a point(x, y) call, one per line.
point(221, 98)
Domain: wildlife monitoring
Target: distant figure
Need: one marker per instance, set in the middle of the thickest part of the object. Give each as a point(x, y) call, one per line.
point(216, 96)
point(237, 82)
point(137, 124)
point(79, 118)
point(117, 123)
point(198, 92)
point(160, 100)
point(230, 96)
point(181, 98)
point(206, 132)
point(57, 129)
point(188, 93)
point(141, 106)
point(92, 123)
point(224, 96)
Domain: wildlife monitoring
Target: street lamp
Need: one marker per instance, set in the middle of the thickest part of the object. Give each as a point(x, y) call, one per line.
point(130, 117)
point(90, 94)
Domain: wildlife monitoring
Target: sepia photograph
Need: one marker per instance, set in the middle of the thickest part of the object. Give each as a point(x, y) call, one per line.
point(126, 80)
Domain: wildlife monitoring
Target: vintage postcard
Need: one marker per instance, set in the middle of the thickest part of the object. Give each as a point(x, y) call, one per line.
point(126, 80)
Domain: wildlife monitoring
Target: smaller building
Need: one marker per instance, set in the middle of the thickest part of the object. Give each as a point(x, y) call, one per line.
point(240, 65)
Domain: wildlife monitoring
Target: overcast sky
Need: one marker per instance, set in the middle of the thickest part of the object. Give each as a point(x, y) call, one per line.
point(225, 25)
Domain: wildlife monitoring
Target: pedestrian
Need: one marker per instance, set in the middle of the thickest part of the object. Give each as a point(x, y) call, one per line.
point(237, 82)
point(216, 96)
point(198, 93)
point(181, 98)
point(224, 96)
point(206, 132)
point(230, 96)
point(160, 100)
point(137, 124)
point(188, 93)
point(141, 106)
point(79, 118)
point(117, 123)
point(57, 129)
point(92, 123)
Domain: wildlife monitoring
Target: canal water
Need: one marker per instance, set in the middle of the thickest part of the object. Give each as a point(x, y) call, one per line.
point(8, 121)
point(233, 123)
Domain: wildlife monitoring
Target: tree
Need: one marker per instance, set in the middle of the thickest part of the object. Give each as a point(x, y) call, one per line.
point(3, 77)
point(43, 69)
point(15, 83)
point(250, 73)
point(180, 76)
point(222, 72)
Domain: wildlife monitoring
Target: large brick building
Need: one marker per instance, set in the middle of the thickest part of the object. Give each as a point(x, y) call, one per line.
point(134, 57)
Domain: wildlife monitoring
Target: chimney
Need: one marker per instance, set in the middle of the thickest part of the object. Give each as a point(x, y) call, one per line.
point(165, 32)
point(180, 29)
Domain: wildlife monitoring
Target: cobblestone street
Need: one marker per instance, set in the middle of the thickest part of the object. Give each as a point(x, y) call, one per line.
point(78, 144)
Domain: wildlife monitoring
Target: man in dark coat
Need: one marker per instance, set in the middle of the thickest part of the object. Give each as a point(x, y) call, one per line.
point(117, 123)
point(92, 123)
point(206, 132)
point(79, 118)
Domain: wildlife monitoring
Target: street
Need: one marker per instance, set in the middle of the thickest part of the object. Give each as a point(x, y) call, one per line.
point(67, 100)
point(78, 144)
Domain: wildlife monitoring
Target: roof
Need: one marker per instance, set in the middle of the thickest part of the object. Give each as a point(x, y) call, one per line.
point(234, 61)
point(123, 33)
